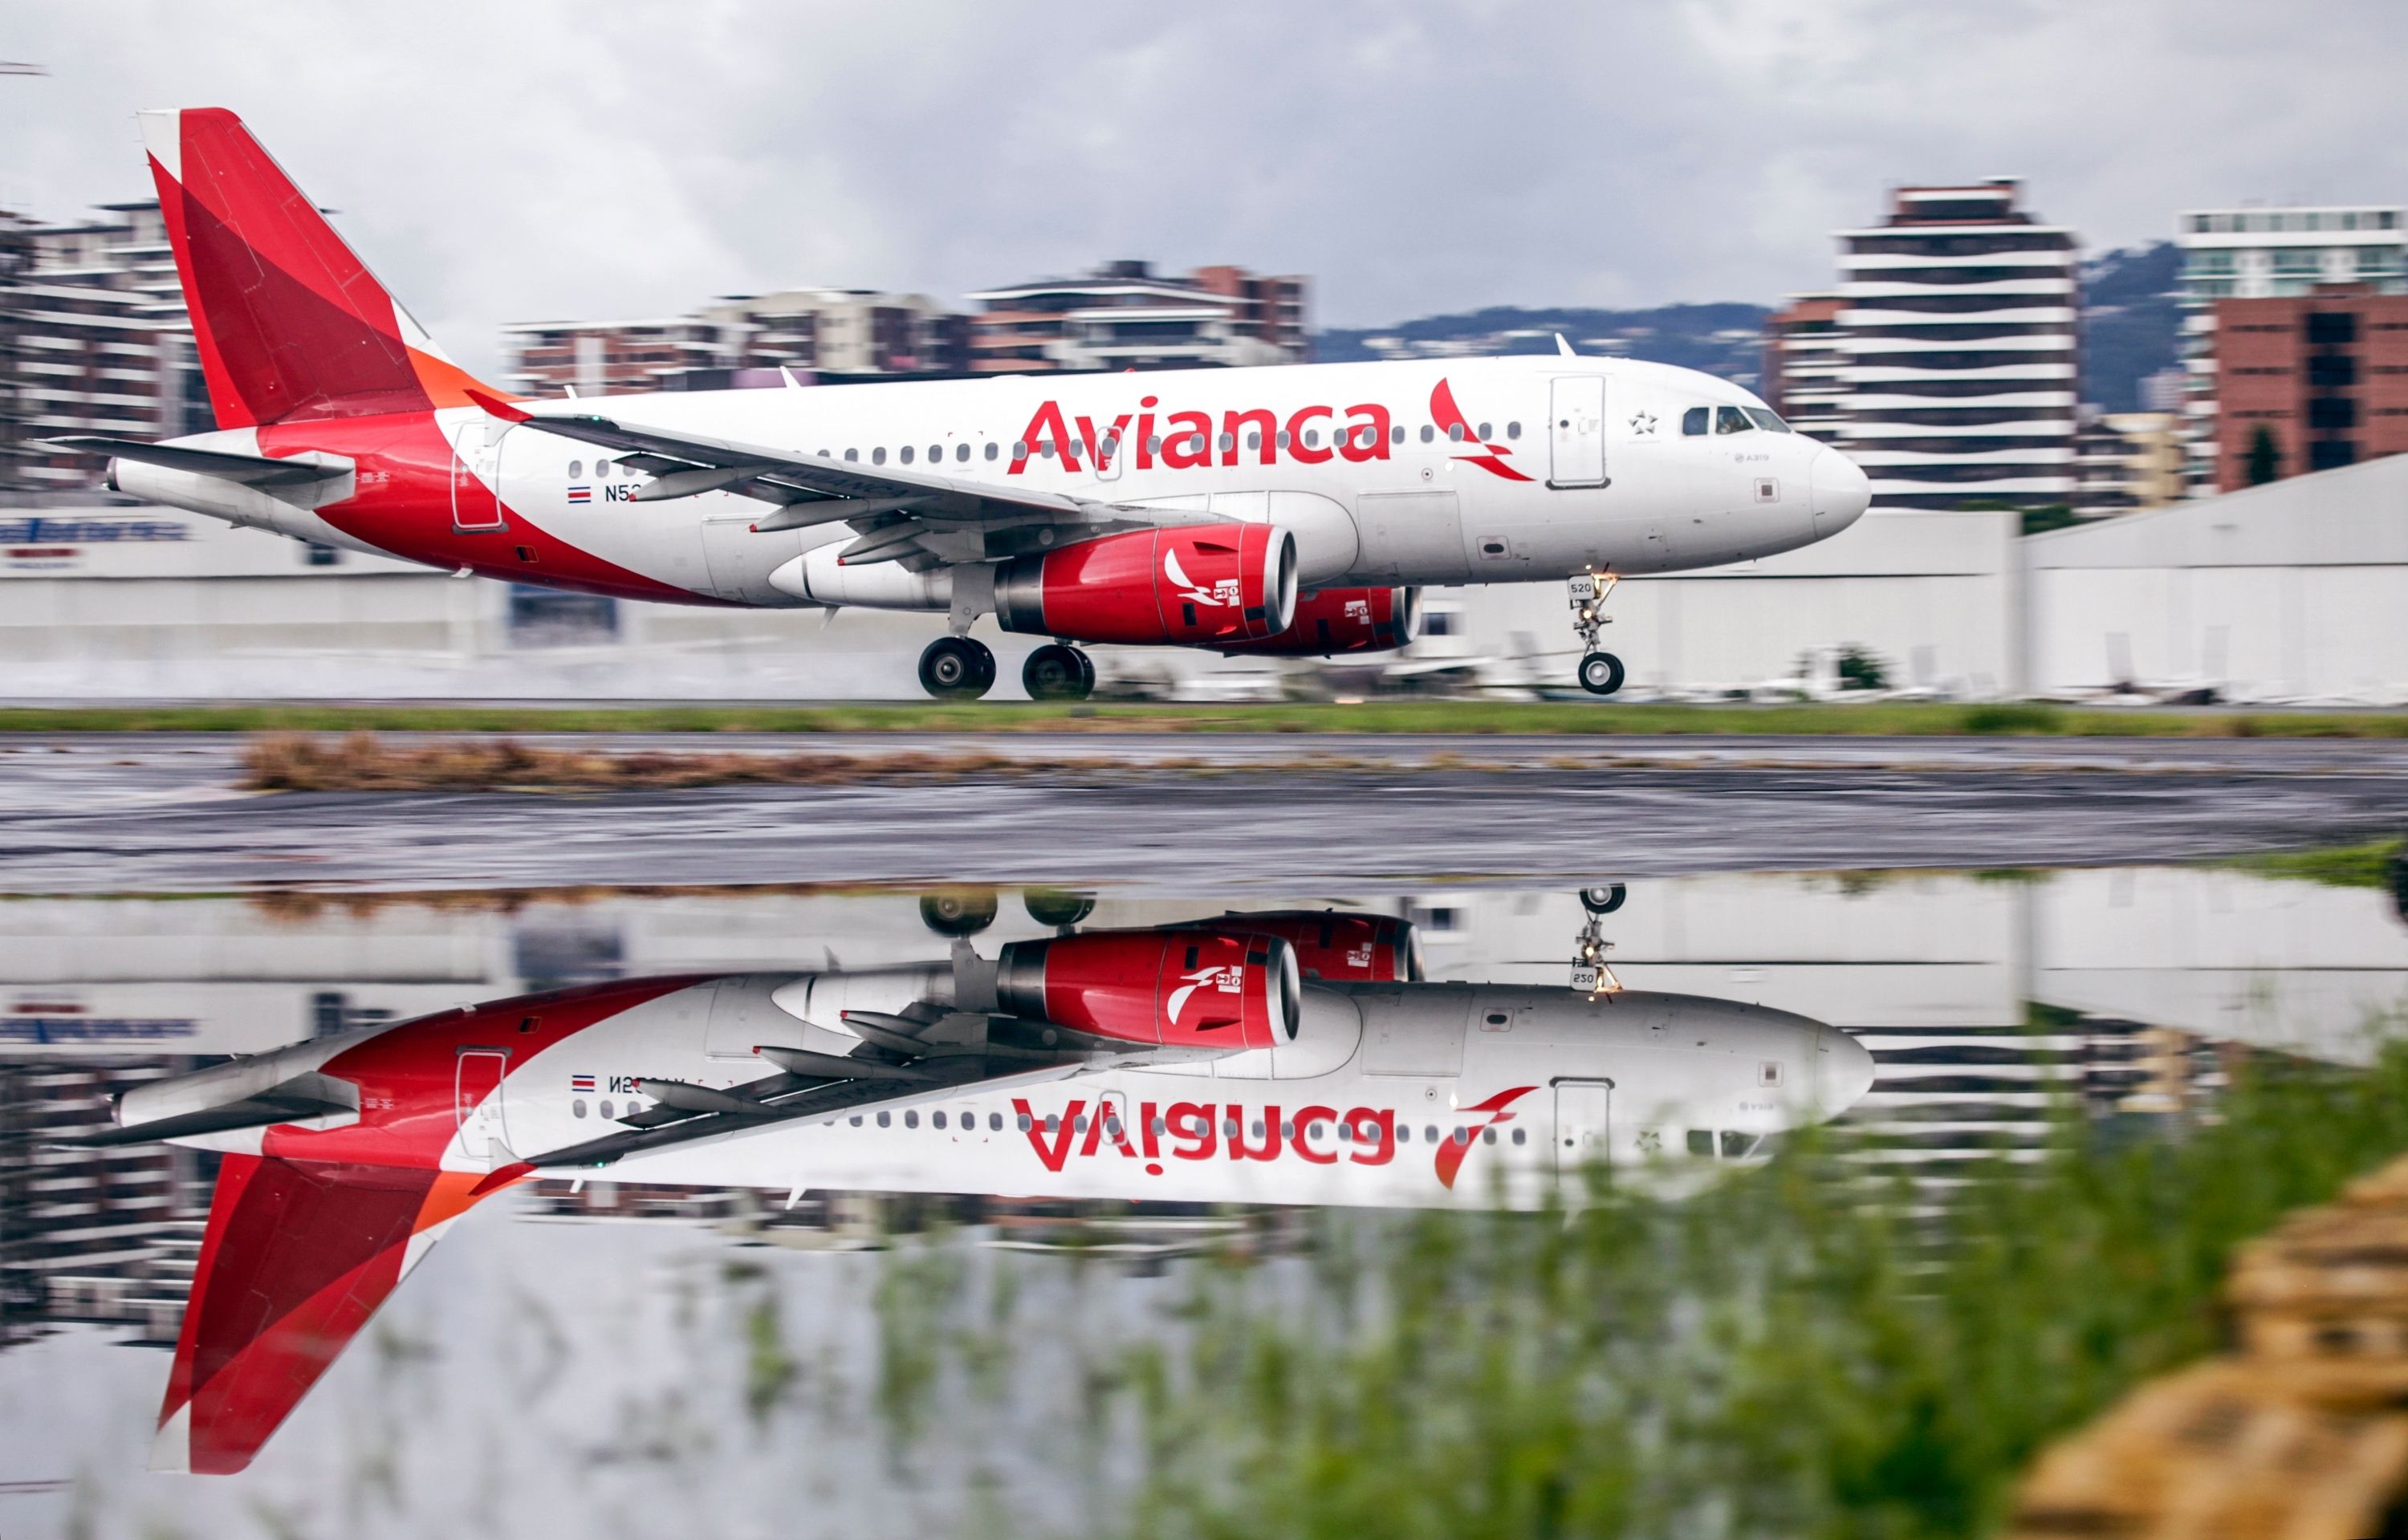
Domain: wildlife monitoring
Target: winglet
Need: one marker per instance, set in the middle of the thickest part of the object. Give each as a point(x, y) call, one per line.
point(492, 406)
point(1562, 346)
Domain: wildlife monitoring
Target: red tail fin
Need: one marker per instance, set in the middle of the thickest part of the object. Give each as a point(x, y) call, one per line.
point(289, 324)
point(295, 1259)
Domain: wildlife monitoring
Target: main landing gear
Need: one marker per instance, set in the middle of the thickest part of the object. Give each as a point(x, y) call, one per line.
point(1055, 672)
point(955, 668)
point(1600, 672)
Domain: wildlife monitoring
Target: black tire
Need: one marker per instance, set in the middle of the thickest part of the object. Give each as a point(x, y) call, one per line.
point(1055, 906)
point(1086, 674)
point(1053, 673)
point(1600, 672)
point(955, 668)
point(959, 911)
point(1603, 901)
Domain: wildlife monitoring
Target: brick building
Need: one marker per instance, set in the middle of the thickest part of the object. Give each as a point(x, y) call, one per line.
point(2323, 376)
point(1124, 316)
point(1802, 364)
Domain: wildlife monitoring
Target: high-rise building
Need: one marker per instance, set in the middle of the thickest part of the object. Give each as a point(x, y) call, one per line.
point(1122, 317)
point(2125, 462)
point(1957, 342)
point(2306, 383)
point(2269, 253)
point(94, 340)
point(1802, 363)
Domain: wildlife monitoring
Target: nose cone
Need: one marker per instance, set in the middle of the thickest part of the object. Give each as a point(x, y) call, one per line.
point(1844, 1071)
point(1842, 492)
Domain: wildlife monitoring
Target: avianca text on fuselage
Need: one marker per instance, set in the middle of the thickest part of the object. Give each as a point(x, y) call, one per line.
point(1211, 1130)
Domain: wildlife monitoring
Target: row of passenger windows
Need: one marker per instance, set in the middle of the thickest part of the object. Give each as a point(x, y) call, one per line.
point(1231, 1127)
point(1698, 421)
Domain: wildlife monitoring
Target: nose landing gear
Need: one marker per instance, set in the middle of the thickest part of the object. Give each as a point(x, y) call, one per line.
point(1058, 672)
point(1592, 974)
point(956, 668)
point(1600, 672)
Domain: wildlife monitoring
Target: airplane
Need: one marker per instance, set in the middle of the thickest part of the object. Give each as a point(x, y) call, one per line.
point(1288, 511)
point(1291, 1057)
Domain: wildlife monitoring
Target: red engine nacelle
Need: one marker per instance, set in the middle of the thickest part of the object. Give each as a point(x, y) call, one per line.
point(1336, 946)
point(1198, 584)
point(1184, 987)
point(1342, 619)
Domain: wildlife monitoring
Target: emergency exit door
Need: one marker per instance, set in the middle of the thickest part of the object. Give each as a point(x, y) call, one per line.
point(477, 1075)
point(476, 474)
point(1576, 432)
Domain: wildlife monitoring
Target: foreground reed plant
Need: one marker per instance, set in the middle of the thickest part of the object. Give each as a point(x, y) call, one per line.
point(1815, 1349)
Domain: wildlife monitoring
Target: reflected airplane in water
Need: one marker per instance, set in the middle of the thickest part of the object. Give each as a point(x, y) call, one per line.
point(1293, 1057)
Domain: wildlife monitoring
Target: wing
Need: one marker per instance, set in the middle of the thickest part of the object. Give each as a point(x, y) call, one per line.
point(925, 1055)
point(914, 517)
point(297, 1258)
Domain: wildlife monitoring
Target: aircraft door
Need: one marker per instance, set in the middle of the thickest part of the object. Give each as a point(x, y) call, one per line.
point(476, 474)
point(477, 1077)
point(1581, 1123)
point(1576, 432)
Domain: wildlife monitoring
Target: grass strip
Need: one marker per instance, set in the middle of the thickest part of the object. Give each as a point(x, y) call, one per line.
point(1803, 1350)
point(1899, 718)
point(2376, 864)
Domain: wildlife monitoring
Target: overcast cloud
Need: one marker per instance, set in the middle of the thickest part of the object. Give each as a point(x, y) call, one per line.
point(534, 159)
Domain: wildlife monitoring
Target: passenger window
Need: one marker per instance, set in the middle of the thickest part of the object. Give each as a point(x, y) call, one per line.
point(1693, 422)
point(878, 455)
point(1154, 445)
point(1024, 1120)
point(1429, 1134)
point(1045, 447)
point(852, 454)
point(910, 1119)
point(1730, 420)
point(1397, 433)
point(1228, 442)
point(906, 455)
point(1513, 430)
point(1519, 1137)
point(936, 453)
point(1702, 1141)
point(1283, 438)
point(576, 469)
point(1487, 1135)
point(1253, 440)
point(577, 1106)
point(1455, 433)
point(886, 1120)
point(1019, 452)
point(990, 451)
point(962, 453)
point(1428, 432)
point(606, 1115)
point(1404, 1133)
point(1765, 420)
point(854, 1120)
point(1312, 438)
point(937, 1119)
point(1484, 431)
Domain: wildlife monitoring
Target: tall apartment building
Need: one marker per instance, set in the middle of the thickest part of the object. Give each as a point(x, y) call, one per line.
point(740, 340)
point(1802, 362)
point(2305, 383)
point(1122, 317)
point(2269, 253)
point(93, 339)
point(2127, 461)
point(1957, 346)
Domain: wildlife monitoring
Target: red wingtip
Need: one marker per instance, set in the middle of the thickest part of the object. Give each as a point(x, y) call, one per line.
point(494, 407)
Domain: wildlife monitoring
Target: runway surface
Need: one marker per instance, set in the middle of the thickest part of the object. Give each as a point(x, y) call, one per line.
point(159, 813)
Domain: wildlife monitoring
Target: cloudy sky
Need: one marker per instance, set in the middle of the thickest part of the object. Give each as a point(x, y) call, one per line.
point(537, 159)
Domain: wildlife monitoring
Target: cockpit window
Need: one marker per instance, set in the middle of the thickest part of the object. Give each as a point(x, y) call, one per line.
point(1737, 1145)
point(1693, 422)
point(1731, 419)
point(1765, 420)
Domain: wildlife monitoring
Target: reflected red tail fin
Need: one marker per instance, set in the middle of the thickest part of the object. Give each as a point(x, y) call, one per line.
point(289, 325)
point(297, 1258)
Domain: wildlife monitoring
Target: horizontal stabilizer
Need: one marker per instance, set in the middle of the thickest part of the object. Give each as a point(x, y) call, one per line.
point(251, 1112)
point(250, 470)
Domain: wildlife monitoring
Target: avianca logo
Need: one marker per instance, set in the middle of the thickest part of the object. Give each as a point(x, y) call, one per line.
point(1190, 1130)
point(1451, 1149)
point(1227, 979)
point(1224, 592)
point(1188, 440)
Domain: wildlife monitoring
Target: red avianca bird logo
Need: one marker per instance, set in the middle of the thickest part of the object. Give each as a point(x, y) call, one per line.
point(1452, 1150)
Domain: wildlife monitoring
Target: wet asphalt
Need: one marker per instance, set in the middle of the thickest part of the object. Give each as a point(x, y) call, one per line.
point(115, 813)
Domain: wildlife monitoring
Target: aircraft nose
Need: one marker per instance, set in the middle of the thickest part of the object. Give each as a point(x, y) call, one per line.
point(1841, 492)
point(1845, 1071)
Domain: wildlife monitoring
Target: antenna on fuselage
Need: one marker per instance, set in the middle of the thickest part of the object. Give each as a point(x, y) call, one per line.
point(1564, 348)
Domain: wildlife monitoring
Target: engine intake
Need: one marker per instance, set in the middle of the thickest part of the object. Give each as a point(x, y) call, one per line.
point(1186, 987)
point(1341, 619)
point(1207, 585)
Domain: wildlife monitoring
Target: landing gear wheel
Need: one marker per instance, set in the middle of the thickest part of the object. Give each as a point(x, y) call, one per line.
point(1603, 901)
point(956, 668)
point(1057, 673)
point(1600, 672)
point(1053, 907)
point(959, 911)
